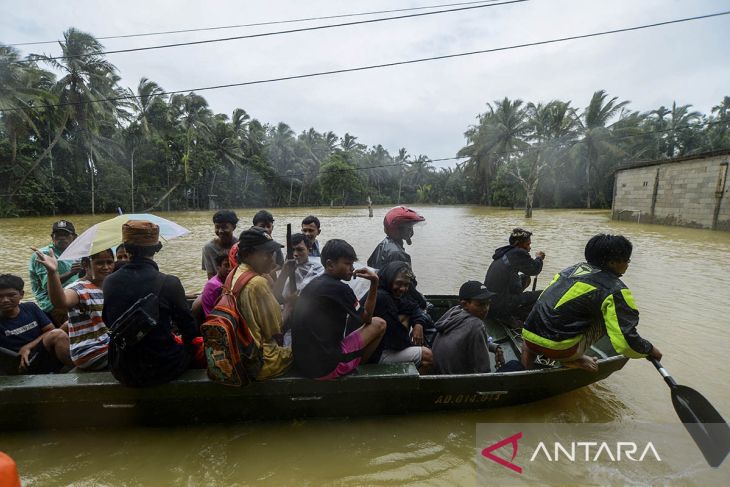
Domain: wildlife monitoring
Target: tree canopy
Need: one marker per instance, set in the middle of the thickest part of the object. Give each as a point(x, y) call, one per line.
point(73, 140)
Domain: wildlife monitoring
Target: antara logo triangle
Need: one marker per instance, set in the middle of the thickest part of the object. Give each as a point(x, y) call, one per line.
point(512, 440)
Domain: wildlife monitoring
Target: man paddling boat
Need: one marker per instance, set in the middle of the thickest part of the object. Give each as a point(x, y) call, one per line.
point(582, 304)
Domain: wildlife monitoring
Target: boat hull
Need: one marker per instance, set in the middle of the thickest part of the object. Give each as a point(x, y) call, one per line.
point(97, 399)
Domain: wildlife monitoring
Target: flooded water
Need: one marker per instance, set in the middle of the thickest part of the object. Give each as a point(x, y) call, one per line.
point(679, 277)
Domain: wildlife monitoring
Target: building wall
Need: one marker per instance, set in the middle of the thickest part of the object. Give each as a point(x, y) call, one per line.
point(692, 193)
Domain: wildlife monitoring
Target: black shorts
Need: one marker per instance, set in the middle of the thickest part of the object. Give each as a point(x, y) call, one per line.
point(42, 361)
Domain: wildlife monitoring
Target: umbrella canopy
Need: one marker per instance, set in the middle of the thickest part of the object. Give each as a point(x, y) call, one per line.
point(108, 234)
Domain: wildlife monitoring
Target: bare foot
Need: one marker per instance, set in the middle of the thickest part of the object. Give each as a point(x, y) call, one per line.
point(585, 362)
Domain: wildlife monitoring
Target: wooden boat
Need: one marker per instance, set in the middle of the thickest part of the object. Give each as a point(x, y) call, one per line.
point(97, 399)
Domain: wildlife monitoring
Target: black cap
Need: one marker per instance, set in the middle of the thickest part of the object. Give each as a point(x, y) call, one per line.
point(258, 239)
point(475, 290)
point(63, 226)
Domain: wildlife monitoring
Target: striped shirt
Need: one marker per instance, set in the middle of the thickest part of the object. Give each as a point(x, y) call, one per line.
point(87, 332)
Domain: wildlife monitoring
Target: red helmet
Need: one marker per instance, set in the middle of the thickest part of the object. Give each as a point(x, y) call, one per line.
point(398, 216)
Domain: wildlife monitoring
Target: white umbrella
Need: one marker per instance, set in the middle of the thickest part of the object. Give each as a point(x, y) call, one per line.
point(108, 234)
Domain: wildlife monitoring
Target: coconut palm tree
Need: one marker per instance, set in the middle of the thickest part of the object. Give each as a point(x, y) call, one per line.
point(498, 137)
point(597, 141)
point(147, 95)
point(194, 118)
point(553, 130)
point(84, 91)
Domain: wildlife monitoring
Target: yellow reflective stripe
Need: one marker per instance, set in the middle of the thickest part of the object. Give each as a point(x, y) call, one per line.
point(629, 298)
point(557, 276)
point(576, 290)
point(608, 308)
point(547, 343)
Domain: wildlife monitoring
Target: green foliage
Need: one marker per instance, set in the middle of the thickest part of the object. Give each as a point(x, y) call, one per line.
point(178, 154)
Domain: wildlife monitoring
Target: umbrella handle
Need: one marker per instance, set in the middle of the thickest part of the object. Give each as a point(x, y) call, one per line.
point(664, 372)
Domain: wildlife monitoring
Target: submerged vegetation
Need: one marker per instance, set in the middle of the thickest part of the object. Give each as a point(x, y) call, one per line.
point(73, 140)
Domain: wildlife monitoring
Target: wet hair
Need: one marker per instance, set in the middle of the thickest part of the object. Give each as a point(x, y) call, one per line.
point(519, 235)
point(602, 248)
point(300, 237)
point(141, 251)
point(263, 216)
point(9, 281)
point(336, 249)
point(219, 259)
point(311, 219)
point(225, 216)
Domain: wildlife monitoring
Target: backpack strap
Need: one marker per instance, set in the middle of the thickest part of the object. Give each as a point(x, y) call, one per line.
point(236, 288)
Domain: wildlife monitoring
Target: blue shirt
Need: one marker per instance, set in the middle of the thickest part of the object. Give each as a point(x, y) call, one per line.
point(24, 328)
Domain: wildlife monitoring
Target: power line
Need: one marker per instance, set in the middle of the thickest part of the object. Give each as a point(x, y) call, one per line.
point(259, 24)
point(391, 64)
point(280, 32)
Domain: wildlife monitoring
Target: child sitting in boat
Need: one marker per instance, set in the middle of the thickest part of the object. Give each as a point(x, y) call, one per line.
point(321, 347)
point(404, 339)
point(84, 301)
point(28, 339)
point(212, 289)
point(582, 304)
point(461, 345)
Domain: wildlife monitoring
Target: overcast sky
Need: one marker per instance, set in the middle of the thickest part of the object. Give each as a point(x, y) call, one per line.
point(424, 107)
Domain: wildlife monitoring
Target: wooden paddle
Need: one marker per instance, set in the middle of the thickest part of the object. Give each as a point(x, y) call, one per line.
point(706, 426)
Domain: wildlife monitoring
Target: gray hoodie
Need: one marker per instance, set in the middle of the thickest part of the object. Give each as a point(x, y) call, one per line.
point(460, 346)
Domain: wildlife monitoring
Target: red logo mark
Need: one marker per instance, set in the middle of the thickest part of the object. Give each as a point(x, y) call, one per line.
point(487, 452)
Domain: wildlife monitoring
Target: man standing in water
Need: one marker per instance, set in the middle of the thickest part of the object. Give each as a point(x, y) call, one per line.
point(62, 234)
point(584, 303)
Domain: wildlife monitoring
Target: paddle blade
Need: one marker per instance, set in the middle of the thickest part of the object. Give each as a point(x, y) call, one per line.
point(706, 426)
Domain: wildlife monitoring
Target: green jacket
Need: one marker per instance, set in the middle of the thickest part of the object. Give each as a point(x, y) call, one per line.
point(577, 297)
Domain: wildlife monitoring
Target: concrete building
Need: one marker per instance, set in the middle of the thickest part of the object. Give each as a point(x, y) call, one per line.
point(688, 191)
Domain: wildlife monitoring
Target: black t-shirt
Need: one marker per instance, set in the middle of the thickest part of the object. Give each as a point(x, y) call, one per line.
point(24, 328)
point(319, 324)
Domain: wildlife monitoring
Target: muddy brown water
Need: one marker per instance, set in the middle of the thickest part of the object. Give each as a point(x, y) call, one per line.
point(680, 278)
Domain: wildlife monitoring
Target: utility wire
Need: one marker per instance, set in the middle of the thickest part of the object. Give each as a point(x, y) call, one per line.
point(280, 32)
point(386, 65)
point(258, 24)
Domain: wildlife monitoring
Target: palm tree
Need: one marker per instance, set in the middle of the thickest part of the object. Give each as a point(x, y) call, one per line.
point(597, 140)
point(553, 129)
point(147, 95)
point(23, 86)
point(678, 128)
point(193, 116)
point(499, 134)
point(84, 90)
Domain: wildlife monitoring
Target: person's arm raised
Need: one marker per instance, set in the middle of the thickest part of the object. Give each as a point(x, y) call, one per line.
point(369, 307)
point(60, 298)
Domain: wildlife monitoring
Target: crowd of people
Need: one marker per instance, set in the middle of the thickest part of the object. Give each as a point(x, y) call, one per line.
point(302, 311)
